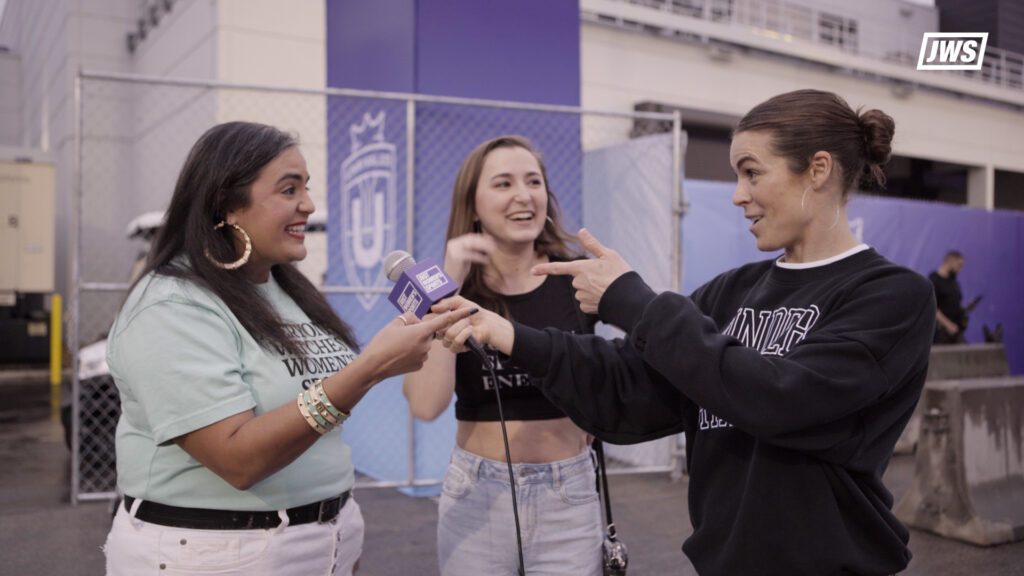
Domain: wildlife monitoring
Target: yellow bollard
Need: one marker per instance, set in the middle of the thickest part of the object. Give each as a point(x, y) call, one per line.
point(56, 355)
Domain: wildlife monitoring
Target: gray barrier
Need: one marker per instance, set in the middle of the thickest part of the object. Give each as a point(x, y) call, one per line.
point(969, 469)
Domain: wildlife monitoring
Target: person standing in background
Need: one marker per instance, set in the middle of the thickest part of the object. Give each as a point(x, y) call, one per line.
point(950, 315)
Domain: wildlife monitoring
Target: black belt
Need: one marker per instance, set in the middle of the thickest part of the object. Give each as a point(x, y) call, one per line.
point(206, 519)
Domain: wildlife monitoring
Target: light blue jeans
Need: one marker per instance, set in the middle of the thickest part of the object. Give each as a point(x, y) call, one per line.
point(559, 516)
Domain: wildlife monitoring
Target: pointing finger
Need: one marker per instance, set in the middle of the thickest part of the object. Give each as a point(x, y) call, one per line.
point(556, 268)
point(589, 241)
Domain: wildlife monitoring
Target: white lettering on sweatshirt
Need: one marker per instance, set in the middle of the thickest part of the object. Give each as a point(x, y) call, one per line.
point(770, 332)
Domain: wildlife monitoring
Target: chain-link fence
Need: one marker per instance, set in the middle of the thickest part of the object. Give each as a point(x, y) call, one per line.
point(382, 167)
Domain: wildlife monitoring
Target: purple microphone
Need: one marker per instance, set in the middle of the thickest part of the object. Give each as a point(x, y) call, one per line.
point(420, 285)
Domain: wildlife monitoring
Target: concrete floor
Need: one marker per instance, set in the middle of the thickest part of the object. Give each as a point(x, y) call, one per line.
point(41, 533)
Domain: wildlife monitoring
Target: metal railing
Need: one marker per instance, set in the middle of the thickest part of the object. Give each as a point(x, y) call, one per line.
point(788, 21)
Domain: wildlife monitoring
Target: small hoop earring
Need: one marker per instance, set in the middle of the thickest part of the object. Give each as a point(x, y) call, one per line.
point(550, 221)
point(245, 253)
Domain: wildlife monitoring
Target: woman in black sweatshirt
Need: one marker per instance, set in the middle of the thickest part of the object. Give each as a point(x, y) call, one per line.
point(792, 378)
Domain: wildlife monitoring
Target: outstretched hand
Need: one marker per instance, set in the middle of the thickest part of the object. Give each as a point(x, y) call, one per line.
point(485, 326)
point(590, 277)
point(402, 345)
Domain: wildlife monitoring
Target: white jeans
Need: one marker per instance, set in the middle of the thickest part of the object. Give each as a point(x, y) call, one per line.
point(135, 547)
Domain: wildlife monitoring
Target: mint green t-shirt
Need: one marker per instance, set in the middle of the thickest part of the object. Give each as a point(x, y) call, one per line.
point(182, 361)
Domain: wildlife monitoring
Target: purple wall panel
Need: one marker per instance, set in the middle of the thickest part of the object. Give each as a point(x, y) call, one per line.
point(521, 50)
point(371, 44)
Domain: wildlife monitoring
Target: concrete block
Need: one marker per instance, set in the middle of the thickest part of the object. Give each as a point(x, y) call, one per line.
point(962, 361)
point(969, 469)
point(955, 362)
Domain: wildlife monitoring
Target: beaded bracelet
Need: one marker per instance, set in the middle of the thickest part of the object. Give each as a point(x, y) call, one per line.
point(304, 410)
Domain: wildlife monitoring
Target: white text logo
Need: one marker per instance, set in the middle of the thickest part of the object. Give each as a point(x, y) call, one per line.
point(952, 50)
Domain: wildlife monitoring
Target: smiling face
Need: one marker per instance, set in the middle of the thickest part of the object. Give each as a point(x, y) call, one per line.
point(511, 201)
point(275, 217)
point(769, 193)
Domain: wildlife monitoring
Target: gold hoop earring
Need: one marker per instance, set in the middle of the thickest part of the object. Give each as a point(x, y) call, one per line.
point(245, 253)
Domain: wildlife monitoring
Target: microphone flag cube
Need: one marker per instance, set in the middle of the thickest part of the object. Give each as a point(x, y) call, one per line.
point(421, 286)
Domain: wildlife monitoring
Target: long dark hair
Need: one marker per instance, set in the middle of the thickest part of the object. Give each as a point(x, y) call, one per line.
point(552, 242)
point(804, 122)
point(216, 179)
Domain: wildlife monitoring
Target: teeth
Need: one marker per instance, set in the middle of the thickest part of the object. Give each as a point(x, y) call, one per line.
point(295, 229)
point(521, 216)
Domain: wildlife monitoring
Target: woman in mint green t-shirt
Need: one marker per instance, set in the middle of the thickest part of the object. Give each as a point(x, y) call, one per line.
point(232, 371)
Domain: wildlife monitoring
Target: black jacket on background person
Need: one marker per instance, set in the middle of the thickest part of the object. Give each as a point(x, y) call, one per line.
point(948, 299)
point(792, 386)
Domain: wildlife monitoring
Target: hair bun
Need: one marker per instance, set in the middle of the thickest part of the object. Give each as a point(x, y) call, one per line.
point(877, 128)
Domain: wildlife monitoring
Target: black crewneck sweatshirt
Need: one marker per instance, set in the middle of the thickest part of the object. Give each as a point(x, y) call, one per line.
point(792, 386)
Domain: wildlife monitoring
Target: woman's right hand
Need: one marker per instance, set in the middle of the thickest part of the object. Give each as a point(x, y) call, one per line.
point(462, 252)
point(402, 345)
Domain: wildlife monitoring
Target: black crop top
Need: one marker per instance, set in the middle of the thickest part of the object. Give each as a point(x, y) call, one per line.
point(550, 304)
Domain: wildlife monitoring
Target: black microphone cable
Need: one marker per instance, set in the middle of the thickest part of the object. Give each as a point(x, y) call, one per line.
point(395, 263)
point(511, 476)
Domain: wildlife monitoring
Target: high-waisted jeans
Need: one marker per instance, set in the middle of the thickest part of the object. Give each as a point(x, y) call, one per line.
point(559, 515)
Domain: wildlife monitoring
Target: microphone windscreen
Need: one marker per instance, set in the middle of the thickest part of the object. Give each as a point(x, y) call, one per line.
point(396, 262)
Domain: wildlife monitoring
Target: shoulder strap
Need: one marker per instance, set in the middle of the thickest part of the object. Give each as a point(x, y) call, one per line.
point(602, 486)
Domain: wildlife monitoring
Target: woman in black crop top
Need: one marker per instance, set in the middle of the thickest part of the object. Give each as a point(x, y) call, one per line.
point(503, 221)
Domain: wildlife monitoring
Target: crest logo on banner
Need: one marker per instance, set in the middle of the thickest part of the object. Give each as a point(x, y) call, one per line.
point(369, 205)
